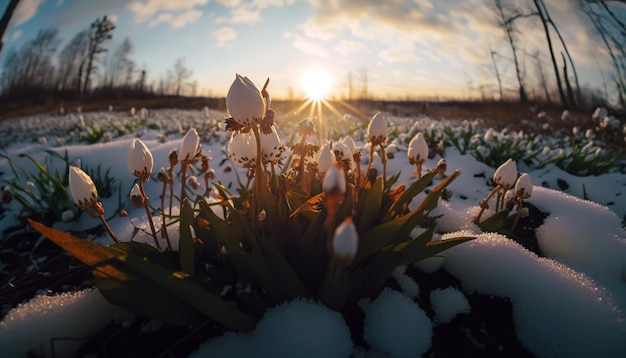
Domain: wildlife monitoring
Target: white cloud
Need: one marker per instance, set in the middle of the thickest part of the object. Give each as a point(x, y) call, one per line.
point(177, 11)
point(176, 21)
point(241, 15)
point(306, 45)
point(16, 35)
point(224, 35)
point(25, 10)
point(346, 47)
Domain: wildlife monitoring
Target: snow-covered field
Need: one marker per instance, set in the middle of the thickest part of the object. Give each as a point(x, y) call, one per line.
point(569, 303)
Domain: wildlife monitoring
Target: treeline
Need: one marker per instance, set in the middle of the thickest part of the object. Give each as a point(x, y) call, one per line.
point(557, 81)
point(85, 67)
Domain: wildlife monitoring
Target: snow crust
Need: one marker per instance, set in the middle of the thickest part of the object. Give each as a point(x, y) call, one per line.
point(448, 303)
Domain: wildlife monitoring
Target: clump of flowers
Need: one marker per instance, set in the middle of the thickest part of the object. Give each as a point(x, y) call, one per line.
point(315, 226)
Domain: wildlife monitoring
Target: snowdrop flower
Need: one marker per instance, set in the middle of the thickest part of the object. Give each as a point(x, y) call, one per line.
point(136, 198)
point(589, 134)
point(140, 161)
point(344, 155)
point(523, 186)
point(42, 140)
point(244, 102)
point(193, 182)
point(565, 115)
point(418, 149)
point(489, 135)
point(306, 127)
point(82, 188)
point(506, 174)
point(377, 129)
point(242, 149)
point(326, 159)
point(349, 142)
point(599, 113)
point(334, 180)
point(345, 242)
point(189, 146)
point(271, 147)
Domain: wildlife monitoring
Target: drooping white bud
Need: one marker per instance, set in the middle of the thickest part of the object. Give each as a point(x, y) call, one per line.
point(271, 147)
point(140, 161)
point(136, 198)
point(334, 180)
point(418, 149)
point(326, 159)
point(523, 186)
point(345, 242)
point(189, 146)
point(82, 188)
point(506, 174)
point(377, 129)
point(349, 142)
point(244, 102)
point(242, 149)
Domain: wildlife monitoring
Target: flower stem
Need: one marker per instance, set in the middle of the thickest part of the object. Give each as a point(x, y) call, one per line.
point(383, 156)
point(108, 229)
point(149, 214)
point(183, 179)
point(163, 226)
point(519, 213)
point(483, 204)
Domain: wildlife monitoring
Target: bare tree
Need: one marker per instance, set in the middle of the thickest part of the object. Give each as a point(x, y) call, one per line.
point(32, 64)
point(71, 62)
point(612, 32)
point(179, 75)
point(100, 33)
point(119, 65)
point(542, 76)
point(496, 71)
point(506, 19)
point(6, 17)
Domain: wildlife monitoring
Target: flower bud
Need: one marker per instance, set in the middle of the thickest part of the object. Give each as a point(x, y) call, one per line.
point(306, 128)
point(334, 180)
point(377, 129)
point(242, 149)
point(506, 174)
point(523, 186)
point(193, 182)
point(140, 161)
point(345, 242)
point(418, 149)
point(136, 198)
point(326, 159)
point(82, 188)
point(244, 102)
point(172, 157)
point(163, 176)
point(442, 166)
point(271, 148)
point(189, 146)
point(262, 215)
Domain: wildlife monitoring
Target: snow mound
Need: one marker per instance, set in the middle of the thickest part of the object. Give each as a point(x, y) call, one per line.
point(571, 236)
point(447, 303)
point(30, 327)
point(299, 328)
point(408, 286)
point(545, 294)
point(396, 325)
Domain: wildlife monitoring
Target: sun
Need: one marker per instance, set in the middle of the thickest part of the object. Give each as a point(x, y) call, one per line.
point(316, 84)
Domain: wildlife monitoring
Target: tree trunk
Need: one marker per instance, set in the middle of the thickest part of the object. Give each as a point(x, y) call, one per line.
point(4, 22)
point(554, 64)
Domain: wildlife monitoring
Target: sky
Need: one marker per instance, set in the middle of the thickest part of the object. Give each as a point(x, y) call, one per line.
point(401, 49)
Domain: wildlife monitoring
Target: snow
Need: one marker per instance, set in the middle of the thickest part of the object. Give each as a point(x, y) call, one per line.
point(32, 326)
point(447, 303)
point(570, 303)
point(396, 325)
point(299, 328)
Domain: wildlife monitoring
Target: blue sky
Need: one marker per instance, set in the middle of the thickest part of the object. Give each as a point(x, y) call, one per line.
point(407, 48)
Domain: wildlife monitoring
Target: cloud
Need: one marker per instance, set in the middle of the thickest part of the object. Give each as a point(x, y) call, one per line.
point(177, 13)
point(176, 21)
point(25, 10)
point(306, 45)
point(241, 15)
point(346, 47)
point(16, 35)
point(224, 35)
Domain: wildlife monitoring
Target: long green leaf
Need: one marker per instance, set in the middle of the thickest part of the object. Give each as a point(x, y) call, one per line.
point(185, 243)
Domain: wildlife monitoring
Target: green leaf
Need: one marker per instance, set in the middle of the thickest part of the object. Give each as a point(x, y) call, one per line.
point(185, 244)
point(372, 205)
point(412, 191)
